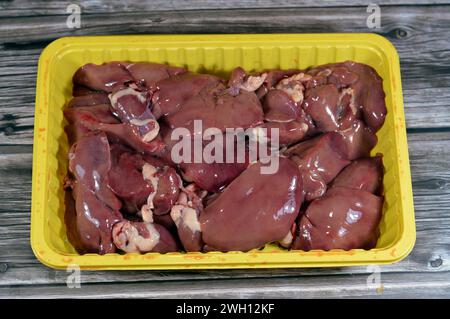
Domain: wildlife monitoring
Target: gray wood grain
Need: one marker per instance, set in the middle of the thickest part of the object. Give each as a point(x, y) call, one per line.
point(396, 21)
point(19, 8)
point(407, 285)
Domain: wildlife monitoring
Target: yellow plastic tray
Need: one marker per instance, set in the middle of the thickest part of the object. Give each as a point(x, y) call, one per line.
point(217, 54)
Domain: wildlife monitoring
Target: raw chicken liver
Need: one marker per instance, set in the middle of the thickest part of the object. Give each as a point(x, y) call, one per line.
point(319, 160)
point(254, 209)
point(128, 191)
point(343, 218)
point(97, 208)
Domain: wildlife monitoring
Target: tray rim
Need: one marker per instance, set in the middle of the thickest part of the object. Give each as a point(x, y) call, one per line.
point(288, 259)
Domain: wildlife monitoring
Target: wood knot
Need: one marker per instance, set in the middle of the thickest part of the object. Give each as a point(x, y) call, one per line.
point(441, 184)
point(9, 130)
point(157, 20)
point(436, 262)
point(9, 124)
point(3, 267)
point(400, 33)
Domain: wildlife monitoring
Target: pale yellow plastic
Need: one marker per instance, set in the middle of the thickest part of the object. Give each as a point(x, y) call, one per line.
point(217, 54)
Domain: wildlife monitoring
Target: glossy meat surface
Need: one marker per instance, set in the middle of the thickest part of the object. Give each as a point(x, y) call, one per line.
point(148, 74)
point(175, 91)
point(105, 77)
point(218, 109)
point(366, 84)
point(343, 218)
point(89, 100)
point(365, 174)
point(135, 178)
point(254, 209)
point(97, 208)
point(185, 214)
point(128, 191)
point(359, 140)
point(141, 237)
point(126, 180)
point(319, 160)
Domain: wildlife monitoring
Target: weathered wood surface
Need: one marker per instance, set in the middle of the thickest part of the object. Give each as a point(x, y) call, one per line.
point(22, 8)
point(419, 29)
point(406, 285)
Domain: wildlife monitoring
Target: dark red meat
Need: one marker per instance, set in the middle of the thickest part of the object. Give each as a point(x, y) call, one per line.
point(254, 209)
point(342, 219)
point(319, 160)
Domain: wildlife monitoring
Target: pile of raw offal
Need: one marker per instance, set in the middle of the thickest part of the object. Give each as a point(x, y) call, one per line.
point(126, 193)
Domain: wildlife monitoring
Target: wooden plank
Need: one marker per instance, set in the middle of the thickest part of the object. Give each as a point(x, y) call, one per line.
point(17, 94)
point(405, 285)
point(396, 22)
point(20, 8)
point(429, 153)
